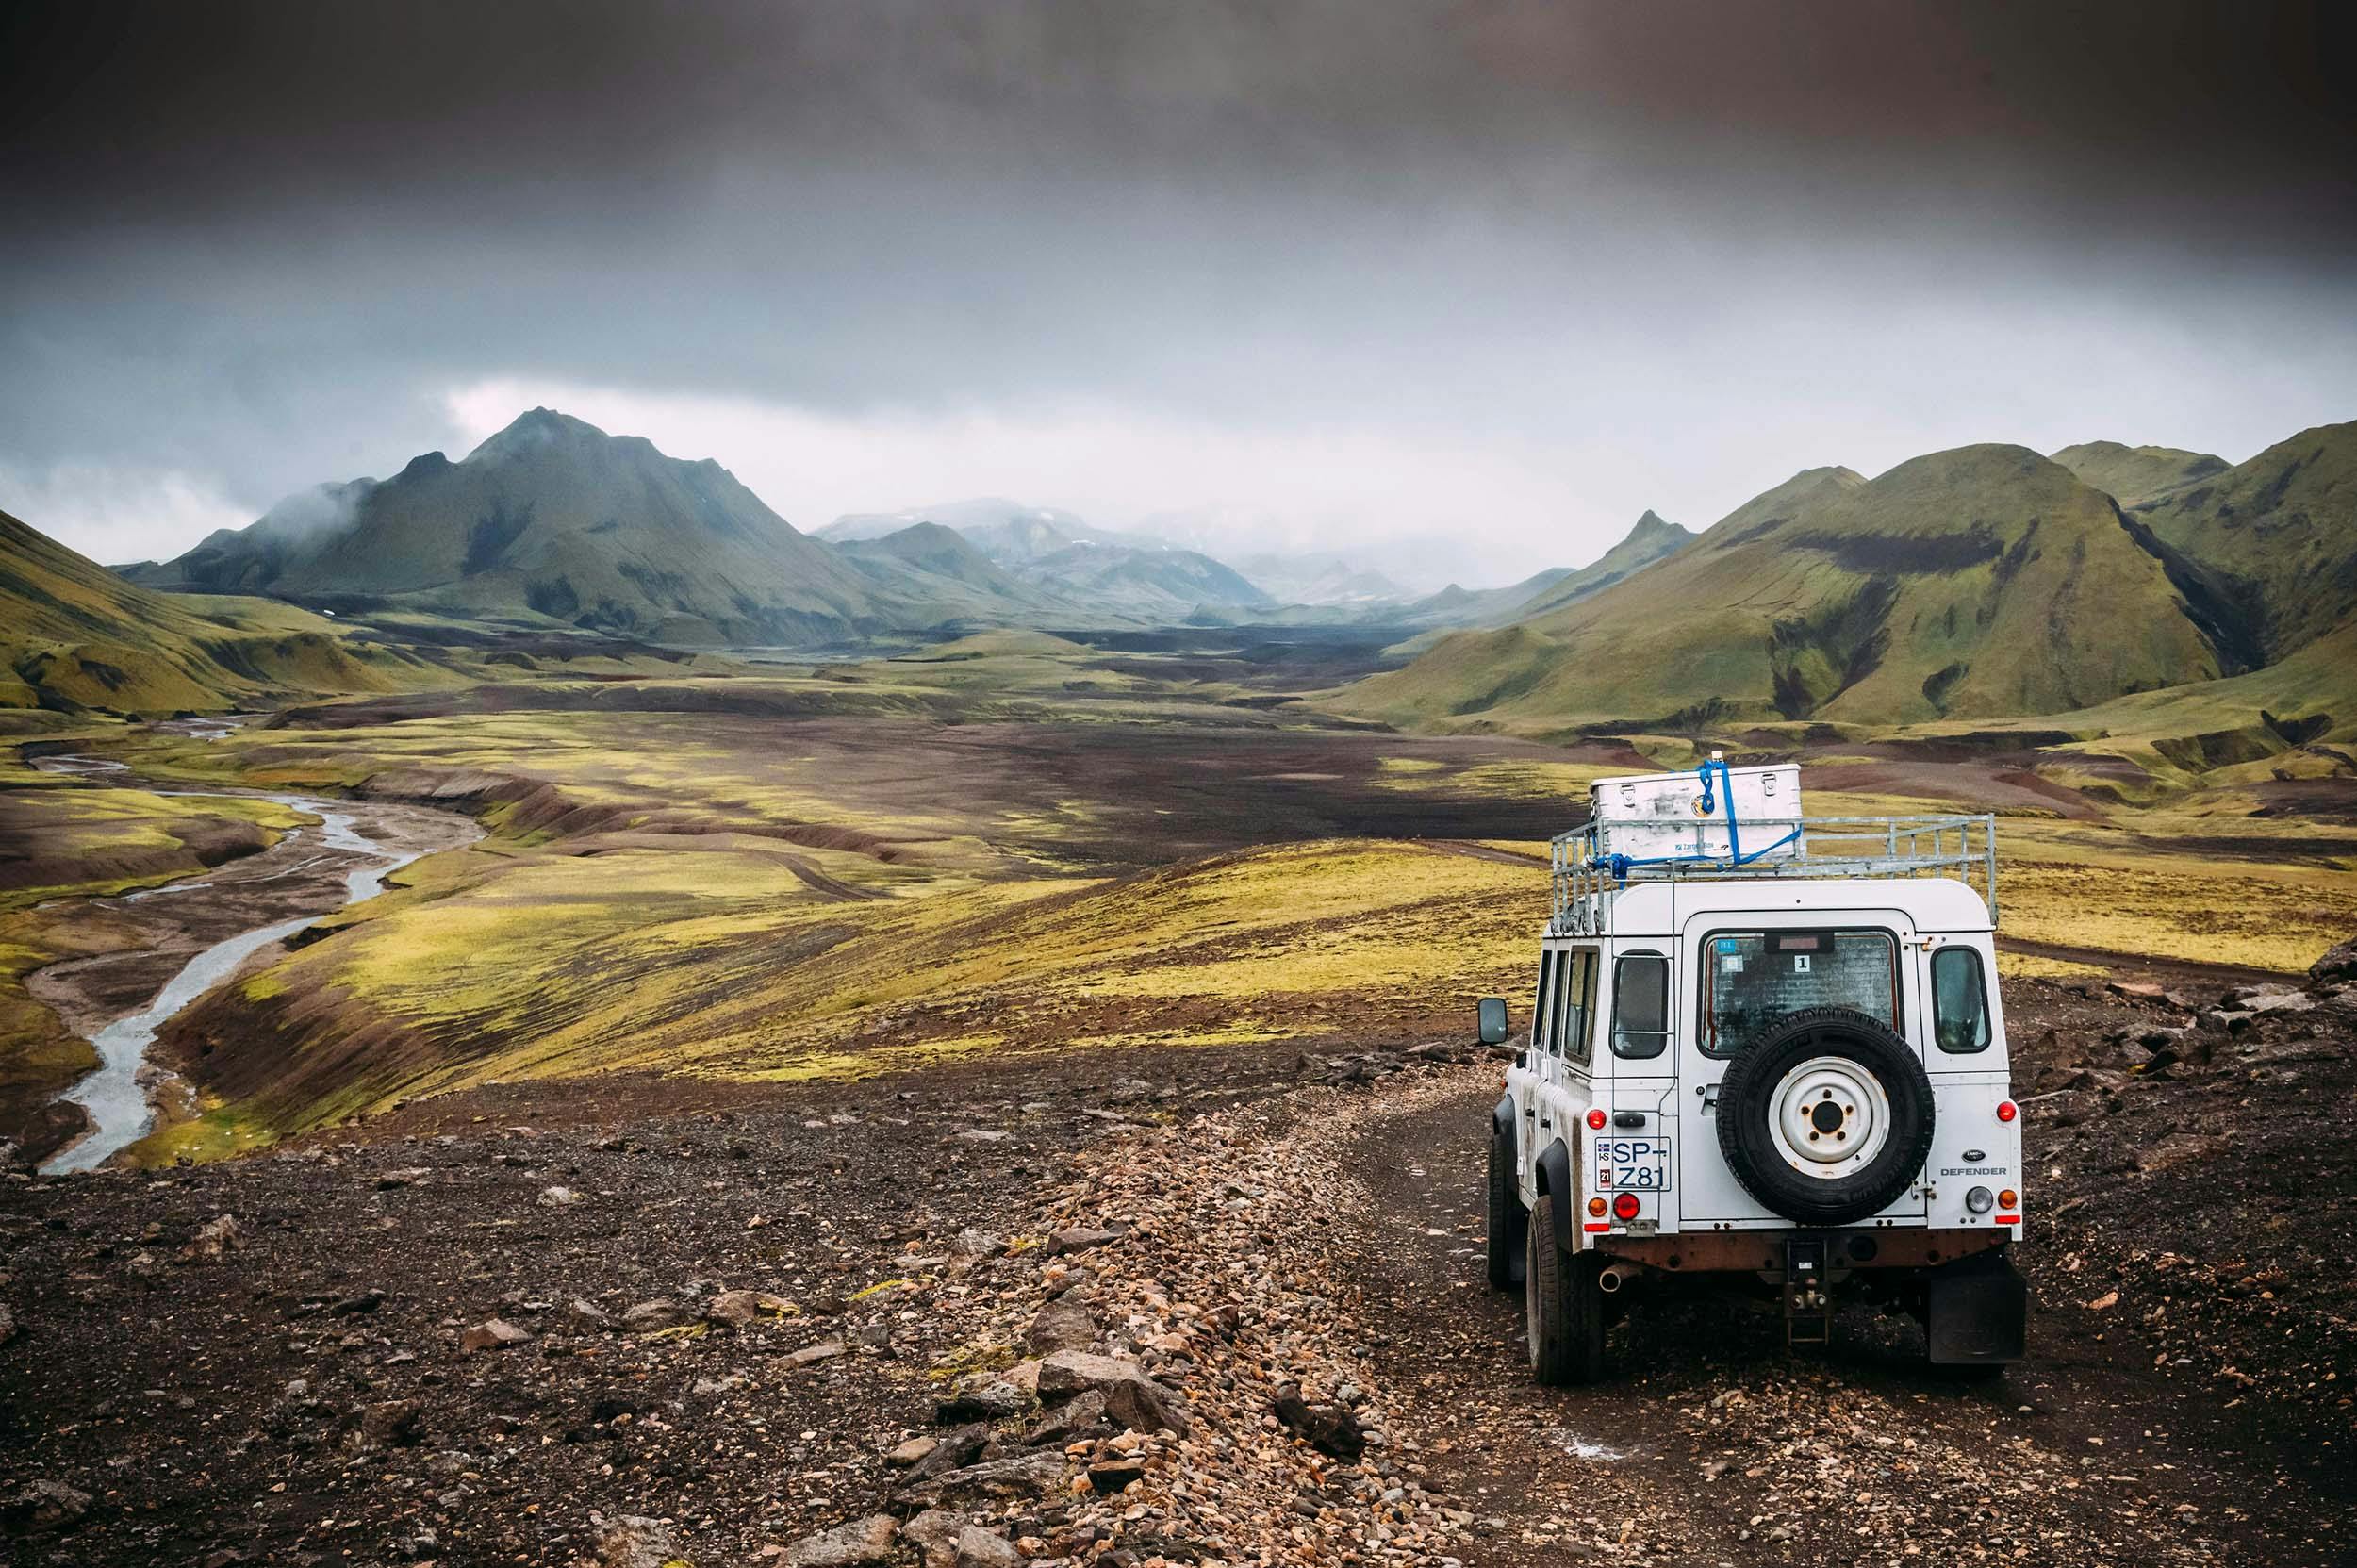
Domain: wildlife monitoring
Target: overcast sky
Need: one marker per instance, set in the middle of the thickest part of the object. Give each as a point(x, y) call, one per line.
point(1341, 274)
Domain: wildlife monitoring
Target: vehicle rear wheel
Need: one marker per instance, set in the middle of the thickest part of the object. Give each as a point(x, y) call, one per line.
point(1562, 1304)
point(1509, 1219)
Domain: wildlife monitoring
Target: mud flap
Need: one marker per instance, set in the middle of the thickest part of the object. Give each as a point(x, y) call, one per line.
point(1977, 1311)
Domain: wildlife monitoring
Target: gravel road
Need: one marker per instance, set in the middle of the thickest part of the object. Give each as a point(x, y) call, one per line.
point(1172, 1307)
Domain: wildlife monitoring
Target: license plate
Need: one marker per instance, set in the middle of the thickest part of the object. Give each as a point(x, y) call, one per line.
point(1637, 1164)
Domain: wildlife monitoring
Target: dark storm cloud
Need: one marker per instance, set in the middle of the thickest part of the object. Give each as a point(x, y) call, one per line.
point(260, 242)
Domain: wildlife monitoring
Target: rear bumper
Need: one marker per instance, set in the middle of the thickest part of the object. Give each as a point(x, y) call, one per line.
point(1762, 1251)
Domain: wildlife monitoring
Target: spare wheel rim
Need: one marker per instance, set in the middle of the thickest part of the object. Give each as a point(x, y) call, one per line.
point(1829, 1118)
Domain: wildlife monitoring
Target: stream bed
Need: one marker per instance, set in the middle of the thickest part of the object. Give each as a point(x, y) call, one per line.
point(211, 922)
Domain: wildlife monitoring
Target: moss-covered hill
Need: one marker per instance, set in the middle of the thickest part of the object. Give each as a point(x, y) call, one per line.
point(2137, 476)
point(550, 519)
point(73, 637)
point(2282, 529)
point(1984, 581)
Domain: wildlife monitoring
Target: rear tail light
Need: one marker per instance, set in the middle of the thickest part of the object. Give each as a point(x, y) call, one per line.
point(2009, 1199)
point(1595, 1120)
point(2007, 1109)
point(1624, 1206)
point(1596, 1208)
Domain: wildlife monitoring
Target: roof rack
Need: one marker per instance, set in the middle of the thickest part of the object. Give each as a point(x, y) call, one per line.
point(1587, 867)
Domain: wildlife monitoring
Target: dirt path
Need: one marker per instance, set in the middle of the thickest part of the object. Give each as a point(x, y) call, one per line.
point(1710, 1443)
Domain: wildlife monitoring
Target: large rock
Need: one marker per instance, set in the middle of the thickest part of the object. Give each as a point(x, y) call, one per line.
point(1328, 1428)
point(1082, 1415)
point(977, 1548)
point(1132, 1398)
point(44, 1505)
point(220, 1235)
point(853, 1545)
point(1141, 1405)
point(2337, 967)
point(634, 1541)
point(736, 1308)
point(991, 1395)
point(584, 1313)
point(1063, 1324)
point(1071, 1371)
point(495, 1333)
point(811, 1355)
point(1061, 1241)
point(952, 1451)
point(1021, 1475)
point(915, 1451)
point(395, 1422)
point(648, 1316)
point(947, 1540)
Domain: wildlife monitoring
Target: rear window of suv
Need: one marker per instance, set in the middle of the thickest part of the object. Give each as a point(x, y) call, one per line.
point(1752, 978)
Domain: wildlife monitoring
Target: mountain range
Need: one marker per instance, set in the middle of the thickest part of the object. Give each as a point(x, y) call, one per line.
point(1083, 572)
point(1979, 582)
point(550, 520)
point(1983, 582)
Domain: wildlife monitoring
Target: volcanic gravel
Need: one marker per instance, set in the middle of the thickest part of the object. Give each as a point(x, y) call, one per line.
point(1157, 1308)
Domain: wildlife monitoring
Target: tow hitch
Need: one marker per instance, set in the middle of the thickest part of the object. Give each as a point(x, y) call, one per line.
point(1808, 1297)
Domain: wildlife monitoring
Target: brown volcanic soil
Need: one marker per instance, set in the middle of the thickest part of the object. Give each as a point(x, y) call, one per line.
point(2186, 1401)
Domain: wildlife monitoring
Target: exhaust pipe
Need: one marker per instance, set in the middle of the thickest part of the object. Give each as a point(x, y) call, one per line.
point(1611, 1280)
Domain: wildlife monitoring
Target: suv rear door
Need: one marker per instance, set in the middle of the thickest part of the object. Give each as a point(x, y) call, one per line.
point(1745, 970)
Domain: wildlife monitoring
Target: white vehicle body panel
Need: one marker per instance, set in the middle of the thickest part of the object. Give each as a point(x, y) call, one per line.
point(1554, 1087)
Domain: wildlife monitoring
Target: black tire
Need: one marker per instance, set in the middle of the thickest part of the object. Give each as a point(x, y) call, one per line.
point(1563, 1305)
point(1509, 1220)
point(1745, 1112)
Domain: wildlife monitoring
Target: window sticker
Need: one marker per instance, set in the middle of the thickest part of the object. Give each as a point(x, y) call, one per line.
point(1799, 964)
point(1731, 962)
point(1729, 945)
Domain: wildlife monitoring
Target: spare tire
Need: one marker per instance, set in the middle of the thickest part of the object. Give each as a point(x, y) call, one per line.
point(1827, 1116)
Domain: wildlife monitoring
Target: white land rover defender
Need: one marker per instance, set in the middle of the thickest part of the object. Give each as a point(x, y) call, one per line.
point(1766, 1048)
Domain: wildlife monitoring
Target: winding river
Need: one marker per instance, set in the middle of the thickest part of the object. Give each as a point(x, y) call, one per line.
point(115, 1095)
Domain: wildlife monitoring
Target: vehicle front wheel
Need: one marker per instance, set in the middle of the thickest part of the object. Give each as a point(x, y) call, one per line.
point(1562, 1303)
point(1509, 1219)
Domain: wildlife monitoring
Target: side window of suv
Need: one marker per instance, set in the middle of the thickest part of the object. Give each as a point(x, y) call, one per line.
point(1566, 998)
point(1959, 1002)
point(1640, 1005)
point(1579, 1010)
point(1542, 1013)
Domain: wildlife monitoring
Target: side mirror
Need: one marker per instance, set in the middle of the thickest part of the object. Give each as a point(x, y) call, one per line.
point(1493, 1020)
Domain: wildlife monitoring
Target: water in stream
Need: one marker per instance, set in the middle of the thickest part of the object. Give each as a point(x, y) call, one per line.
point(113, 1095)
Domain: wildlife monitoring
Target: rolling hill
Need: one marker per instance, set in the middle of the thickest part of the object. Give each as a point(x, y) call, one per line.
point(76, 638)
point(2137, 476)
point(551, 519)
point(2280, 530)
point(1983, 581)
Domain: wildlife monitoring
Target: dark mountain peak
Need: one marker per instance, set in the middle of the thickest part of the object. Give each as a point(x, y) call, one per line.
point(541, 430)
point(424, 465)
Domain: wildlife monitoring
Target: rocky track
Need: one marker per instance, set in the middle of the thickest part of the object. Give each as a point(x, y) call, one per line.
point(1215, 1309)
